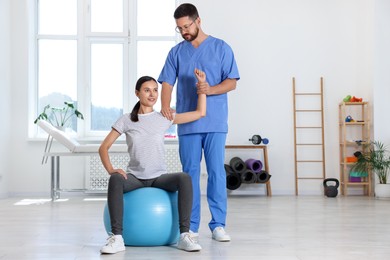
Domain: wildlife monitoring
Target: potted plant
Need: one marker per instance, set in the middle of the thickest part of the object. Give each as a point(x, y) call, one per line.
point(59, 116)
point(377, 160)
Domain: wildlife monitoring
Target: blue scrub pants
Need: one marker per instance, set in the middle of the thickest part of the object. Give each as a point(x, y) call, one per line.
point(190, 149)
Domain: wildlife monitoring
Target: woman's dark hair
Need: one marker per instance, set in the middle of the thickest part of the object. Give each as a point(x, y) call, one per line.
point(186, 9)
point(138, 85)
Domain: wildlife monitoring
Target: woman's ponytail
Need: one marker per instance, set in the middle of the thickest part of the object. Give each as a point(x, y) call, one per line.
point(134, 112)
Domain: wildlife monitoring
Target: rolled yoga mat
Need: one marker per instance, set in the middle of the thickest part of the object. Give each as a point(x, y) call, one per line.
point(233, 179)
point(238, 165)
point(248, 176)
point(263, 176)
point(254, 165)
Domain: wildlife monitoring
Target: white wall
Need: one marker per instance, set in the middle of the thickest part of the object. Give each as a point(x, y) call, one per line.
point(5, 103)
point(273, 40)
point(27, 176)
point(382, 75)
point(277, 40)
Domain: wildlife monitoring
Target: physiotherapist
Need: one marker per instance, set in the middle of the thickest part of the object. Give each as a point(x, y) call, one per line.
point(208, 135)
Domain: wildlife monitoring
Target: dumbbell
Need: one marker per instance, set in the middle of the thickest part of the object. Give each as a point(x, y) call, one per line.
point(256, 139)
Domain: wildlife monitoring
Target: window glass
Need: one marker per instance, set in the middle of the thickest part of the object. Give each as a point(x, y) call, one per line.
point(58, 67)
point(97, 67)
point(156, 21)
point(107, 15)
point(57, 17)
point(106, 85)
point(57, 74)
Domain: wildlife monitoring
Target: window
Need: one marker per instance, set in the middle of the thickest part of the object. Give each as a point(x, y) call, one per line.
point(92, 52)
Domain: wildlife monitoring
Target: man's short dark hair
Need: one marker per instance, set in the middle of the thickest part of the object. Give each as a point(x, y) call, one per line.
point(186, 9)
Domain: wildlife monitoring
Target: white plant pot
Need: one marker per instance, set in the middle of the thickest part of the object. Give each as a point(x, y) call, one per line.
point(382, 190)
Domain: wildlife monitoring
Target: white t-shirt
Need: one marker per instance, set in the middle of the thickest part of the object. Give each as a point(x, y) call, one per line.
point(145, 142)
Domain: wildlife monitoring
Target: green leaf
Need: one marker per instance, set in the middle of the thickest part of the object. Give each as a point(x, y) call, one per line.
point(59, 115)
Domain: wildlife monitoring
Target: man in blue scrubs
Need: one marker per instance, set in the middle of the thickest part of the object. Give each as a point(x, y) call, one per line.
point(216, 59)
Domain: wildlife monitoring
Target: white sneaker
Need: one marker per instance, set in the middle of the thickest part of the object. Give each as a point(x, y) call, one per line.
point(220, 235)
point(186, 243)
point(114, 245)
point(194, 236)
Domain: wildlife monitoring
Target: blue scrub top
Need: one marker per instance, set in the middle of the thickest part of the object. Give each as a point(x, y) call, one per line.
point(216, 59)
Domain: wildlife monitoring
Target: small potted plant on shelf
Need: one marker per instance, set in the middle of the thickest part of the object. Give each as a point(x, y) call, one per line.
point(377, 160)
point(59, 116)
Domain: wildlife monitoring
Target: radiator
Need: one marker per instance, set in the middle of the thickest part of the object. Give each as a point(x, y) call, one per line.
point(97, 177)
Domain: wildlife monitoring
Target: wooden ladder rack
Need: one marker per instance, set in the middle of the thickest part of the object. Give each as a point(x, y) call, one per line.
point(298, 127)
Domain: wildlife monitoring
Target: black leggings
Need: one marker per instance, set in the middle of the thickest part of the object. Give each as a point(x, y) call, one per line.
point(118, 185)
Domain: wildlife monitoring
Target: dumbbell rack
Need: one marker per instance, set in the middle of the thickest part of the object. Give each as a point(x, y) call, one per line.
point(263, 149)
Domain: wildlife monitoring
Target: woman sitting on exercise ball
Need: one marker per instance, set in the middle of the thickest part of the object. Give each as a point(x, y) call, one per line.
point(145, 129)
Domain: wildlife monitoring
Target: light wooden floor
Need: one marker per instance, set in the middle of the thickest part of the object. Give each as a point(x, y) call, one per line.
point(287, 228)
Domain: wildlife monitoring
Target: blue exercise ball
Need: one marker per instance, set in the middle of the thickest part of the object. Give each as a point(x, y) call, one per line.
point(150, 217)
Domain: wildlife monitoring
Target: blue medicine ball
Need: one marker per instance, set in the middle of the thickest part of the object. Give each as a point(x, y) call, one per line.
point(150, 217)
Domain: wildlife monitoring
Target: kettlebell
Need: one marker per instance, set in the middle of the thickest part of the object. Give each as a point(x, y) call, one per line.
point(331, 190)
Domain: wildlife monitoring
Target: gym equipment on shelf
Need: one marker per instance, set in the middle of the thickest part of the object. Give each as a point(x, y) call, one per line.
point(233, 179)
point(254, 165)
point(237, 165)
point(263, 176)
point(256, 139)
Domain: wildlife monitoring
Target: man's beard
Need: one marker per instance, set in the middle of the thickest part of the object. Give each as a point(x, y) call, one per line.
point(190, 37)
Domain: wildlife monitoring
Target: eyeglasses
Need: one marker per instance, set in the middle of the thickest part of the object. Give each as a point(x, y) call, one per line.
point(185, 27)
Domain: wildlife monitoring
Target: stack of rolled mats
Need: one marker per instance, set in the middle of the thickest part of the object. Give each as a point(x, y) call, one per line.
point(250, 171)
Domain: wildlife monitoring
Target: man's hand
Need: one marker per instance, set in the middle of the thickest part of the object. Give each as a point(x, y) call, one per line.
point(203, 88)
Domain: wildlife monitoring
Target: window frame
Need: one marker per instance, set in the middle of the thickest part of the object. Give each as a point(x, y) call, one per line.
point(85, 38)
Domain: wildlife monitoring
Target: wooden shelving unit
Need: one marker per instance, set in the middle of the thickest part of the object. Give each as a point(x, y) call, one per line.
point(354, 136)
